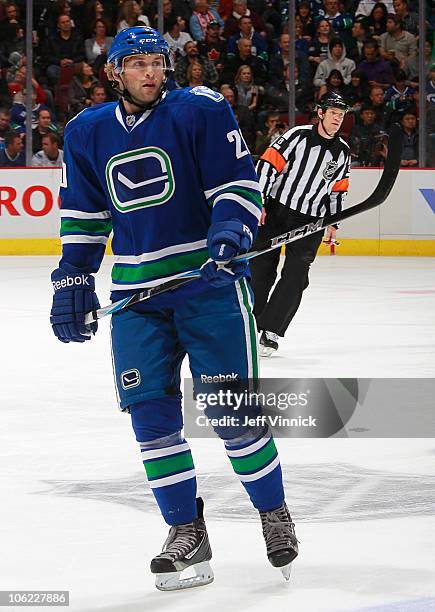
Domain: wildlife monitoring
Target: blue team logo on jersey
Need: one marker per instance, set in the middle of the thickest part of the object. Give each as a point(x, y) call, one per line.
point(140, 178)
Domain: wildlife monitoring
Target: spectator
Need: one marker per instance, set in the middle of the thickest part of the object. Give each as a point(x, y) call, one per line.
point(247, 91)
point(214, 48)
point(273, 129)
point(43, 127)
point(18, 85)
point(131, 15)
point(301, 43)
point(334, 83)
point(376, 98)
point(243, 115)
point(400, 96)
point(365, 138)
point(341, 23)
point(278, 96)
point(51, 154)
point(98, 94)
point(396, 44)
point(336, 60)
point(15, 43)
point(175, 38)
point(359, 38)
point(246, 31)
point(357, 90)
point(99, 44)
point(201, 16)
point(304, 18)
point(65, 48)
point(377, 70)
point(95, 11)
point(377, 20)
point(5, 125)
point(410, 140)
point(12, 156)
point(409, 20)
point(8, 28)
point(244, 56)
point(411, 66)
point(319, 47)
point(169, 14)
point(366, 7)
point(195, 74)
point(18, 112)
point(279, 60)
point(80, 88)
point(192, 55)
point(240, 9)
point(331, 11)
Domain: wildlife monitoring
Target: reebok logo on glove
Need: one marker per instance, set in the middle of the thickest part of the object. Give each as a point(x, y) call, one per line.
point(247, 231)
point(71, 281)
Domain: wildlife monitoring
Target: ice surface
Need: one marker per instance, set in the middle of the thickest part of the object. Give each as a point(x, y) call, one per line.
point(75, 510)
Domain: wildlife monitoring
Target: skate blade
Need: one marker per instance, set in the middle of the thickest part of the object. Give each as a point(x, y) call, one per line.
point(266, 351)
point(171, 581)
point(286, 571)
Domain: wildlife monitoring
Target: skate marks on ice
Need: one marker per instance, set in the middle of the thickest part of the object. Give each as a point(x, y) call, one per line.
point(317, 493)
point(416, 605)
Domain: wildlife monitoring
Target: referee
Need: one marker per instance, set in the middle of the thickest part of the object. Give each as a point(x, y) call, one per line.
point(304, 174)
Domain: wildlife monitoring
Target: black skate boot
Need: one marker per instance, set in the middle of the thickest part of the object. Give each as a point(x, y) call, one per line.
point(268, 343)
point(279, 535)
point(186, 546)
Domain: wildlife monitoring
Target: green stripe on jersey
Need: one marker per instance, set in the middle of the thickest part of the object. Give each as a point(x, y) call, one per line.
point(256, 461)
point(252, 196)
point(252, 329)
point(157, 269)
point(159, 468)
point(86, 226)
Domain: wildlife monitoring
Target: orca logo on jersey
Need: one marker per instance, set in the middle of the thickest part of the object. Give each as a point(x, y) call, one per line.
point(201, 90)
point(140, 178)
point(330, 169)
point(130, 379)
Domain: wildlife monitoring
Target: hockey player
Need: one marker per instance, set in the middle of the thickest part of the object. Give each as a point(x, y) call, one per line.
point(303, 174)
point(170, 175)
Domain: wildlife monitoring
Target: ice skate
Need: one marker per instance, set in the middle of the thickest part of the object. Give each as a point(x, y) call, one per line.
point(280, 537)
point(187, 546)
point(268, 343)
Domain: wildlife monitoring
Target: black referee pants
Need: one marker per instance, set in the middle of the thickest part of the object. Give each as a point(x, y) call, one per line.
point(275, 312)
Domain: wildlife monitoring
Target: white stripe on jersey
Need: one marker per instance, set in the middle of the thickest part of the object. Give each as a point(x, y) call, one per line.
point(152, 255)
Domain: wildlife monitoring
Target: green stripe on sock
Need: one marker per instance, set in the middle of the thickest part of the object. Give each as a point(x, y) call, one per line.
point(148, 271)
point(86, 226)
point(252, 329)
point(256, 461)
point(159, 468)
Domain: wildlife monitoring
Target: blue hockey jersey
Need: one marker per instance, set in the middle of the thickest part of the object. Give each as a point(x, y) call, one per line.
point(157, 179)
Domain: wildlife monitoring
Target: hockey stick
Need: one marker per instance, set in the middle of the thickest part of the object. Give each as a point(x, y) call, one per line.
point(379, 195)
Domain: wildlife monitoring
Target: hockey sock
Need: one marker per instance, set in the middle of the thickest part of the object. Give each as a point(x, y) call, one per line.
point(255, 461)
point(171, 475)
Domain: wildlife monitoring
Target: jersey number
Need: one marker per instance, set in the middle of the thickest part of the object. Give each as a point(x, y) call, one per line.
point(235, 136)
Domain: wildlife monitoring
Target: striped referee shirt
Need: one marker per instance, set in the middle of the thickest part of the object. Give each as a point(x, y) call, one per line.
point(306, 172)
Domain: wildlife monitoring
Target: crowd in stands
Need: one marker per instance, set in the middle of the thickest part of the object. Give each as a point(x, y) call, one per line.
point(363, 49)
